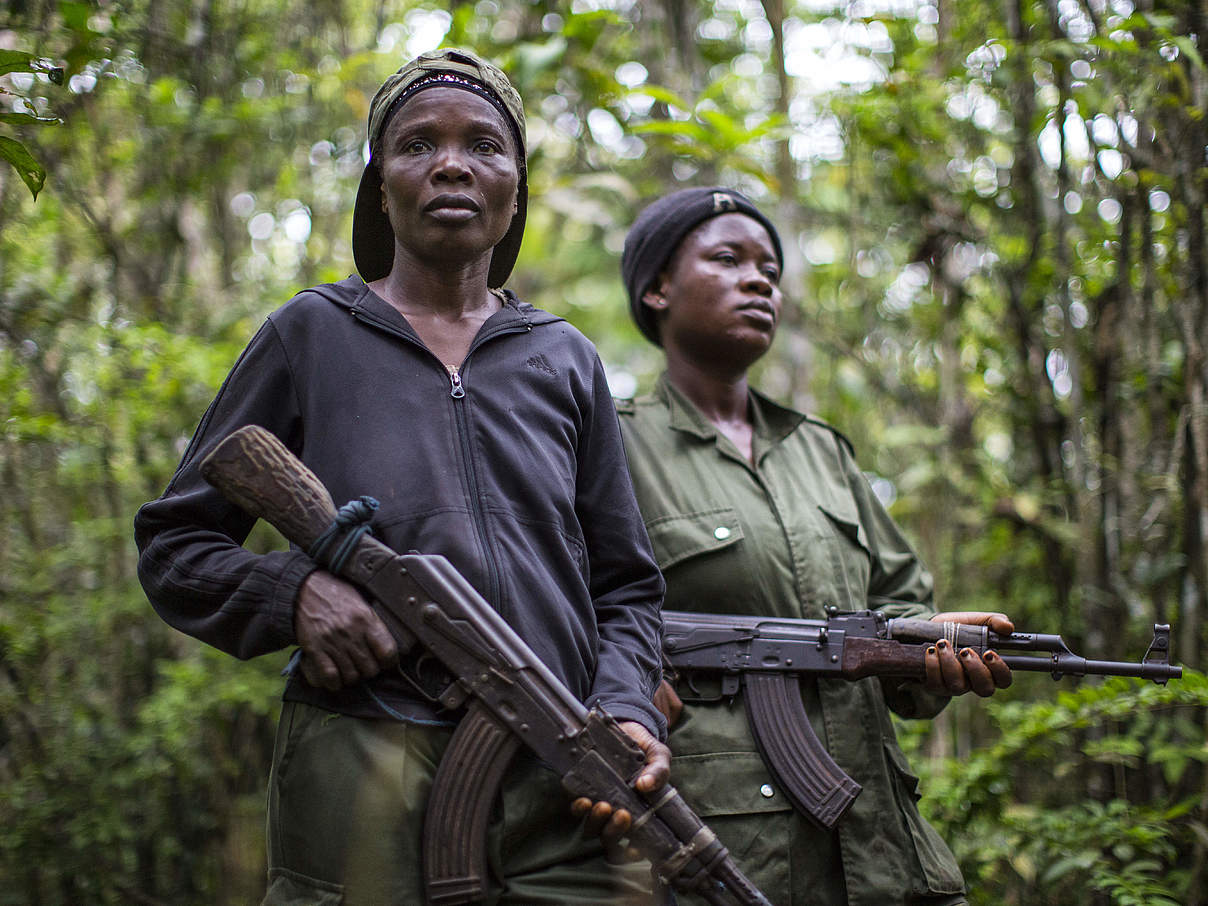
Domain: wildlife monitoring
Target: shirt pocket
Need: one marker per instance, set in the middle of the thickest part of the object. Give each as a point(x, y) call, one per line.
point(940, 869)
point(290, 888)
point(679, 537)
point(727, 783)
point(846, 521)
point(848, 550)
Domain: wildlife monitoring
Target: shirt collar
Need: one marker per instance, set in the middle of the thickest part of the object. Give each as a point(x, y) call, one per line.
point(773, 422)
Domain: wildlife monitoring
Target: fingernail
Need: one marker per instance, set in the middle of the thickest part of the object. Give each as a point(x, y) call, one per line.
point(942, 644)
point(931, 650)
point(966, 654)
point(989, 656)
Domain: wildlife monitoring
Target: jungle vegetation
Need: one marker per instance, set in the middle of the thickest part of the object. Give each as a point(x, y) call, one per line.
point(997, 277)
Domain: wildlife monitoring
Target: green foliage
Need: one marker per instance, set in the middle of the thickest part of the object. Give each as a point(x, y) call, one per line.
point(995, 242)
point(31, 172)
point(1023, 838)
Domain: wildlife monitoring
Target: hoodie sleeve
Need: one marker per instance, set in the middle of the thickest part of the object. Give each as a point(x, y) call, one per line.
point(191, 563)
point(626, 585)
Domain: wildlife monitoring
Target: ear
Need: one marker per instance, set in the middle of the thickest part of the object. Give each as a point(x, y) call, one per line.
point(654, 297)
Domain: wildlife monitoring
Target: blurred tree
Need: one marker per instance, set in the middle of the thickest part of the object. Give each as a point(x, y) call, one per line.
point(994, 219)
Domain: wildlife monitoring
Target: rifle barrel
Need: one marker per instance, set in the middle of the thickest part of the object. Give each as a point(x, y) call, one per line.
point(1063, 664)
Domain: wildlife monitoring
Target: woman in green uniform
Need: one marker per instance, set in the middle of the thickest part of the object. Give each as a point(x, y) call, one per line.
point(753, 508)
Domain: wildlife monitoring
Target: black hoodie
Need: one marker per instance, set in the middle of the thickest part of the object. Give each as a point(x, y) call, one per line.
point(513, 469)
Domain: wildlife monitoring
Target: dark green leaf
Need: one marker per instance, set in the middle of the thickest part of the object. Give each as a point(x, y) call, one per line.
point(30, 171)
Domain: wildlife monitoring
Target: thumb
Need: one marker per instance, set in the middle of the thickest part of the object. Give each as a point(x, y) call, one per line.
point(998, 622)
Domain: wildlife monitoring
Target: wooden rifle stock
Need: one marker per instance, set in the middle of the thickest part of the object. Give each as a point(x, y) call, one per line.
point(512, 695)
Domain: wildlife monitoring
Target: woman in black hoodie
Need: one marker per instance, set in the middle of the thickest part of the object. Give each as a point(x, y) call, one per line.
point(486, 430)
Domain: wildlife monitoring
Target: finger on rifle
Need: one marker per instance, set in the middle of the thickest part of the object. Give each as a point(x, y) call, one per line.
point(334, 624)
point(347, 658)
point(998, 669)
point(955, 680)
point(363, 658)
point(658, 757)
point(997, 622)
point(320, 670)
point(1001, 624)
point(977, 673)
point(381, 644)
point(931, 664)
point(667, 700)
point(618, 850)
point(580, 807)
point(596, 820)
point(616, 827)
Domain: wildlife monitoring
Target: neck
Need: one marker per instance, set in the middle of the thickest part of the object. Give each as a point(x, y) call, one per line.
point(447, 292)
point(720, 396)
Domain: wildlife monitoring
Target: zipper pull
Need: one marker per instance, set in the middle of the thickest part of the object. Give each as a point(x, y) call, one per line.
point(457, 391)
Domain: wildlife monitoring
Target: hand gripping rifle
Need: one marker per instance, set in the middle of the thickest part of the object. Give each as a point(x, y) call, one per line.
point(767, 656)
point(512, 696)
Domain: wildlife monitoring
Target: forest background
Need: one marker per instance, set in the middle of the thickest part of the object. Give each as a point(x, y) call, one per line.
point(998, 288)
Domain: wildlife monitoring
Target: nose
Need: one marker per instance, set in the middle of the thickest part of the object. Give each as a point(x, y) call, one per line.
point(451, 166)
point(755, 280)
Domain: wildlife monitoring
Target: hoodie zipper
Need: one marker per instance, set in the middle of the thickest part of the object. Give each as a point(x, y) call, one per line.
point(457, 392)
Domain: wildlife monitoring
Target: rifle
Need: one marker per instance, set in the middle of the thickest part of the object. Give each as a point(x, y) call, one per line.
point(511, 696)
point(765, 657)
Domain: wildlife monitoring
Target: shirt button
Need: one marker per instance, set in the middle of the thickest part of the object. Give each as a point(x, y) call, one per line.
point(766, 791)
point(721, 533)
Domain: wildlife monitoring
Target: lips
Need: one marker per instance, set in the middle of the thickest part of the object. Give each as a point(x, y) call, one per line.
point(761, 306)
point(452, 202)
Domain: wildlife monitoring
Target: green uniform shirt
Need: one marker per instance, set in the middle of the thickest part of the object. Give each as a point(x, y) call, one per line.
point(796, 532)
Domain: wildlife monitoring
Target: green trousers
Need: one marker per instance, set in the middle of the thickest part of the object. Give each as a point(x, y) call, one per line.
point(345, 821)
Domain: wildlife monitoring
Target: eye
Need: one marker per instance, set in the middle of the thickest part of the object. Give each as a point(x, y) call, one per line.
point(772, 274)
point(415, 146)
point(727, 258)
point(486, 146)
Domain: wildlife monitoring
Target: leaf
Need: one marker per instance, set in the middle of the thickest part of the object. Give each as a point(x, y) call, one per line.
point(1187, 47)
point(31, 172)
point(75, 15)
point(20, 61)
point(670, 98)
point(16, 61)
point(677, 128)
point(531, 59)
point(1078, 861)
point(27, 119)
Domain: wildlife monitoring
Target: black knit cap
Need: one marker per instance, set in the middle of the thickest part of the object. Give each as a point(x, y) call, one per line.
point(658, 232)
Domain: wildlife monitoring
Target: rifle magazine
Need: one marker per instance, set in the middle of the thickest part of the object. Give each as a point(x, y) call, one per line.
point(810, 778)
point(455, 824)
